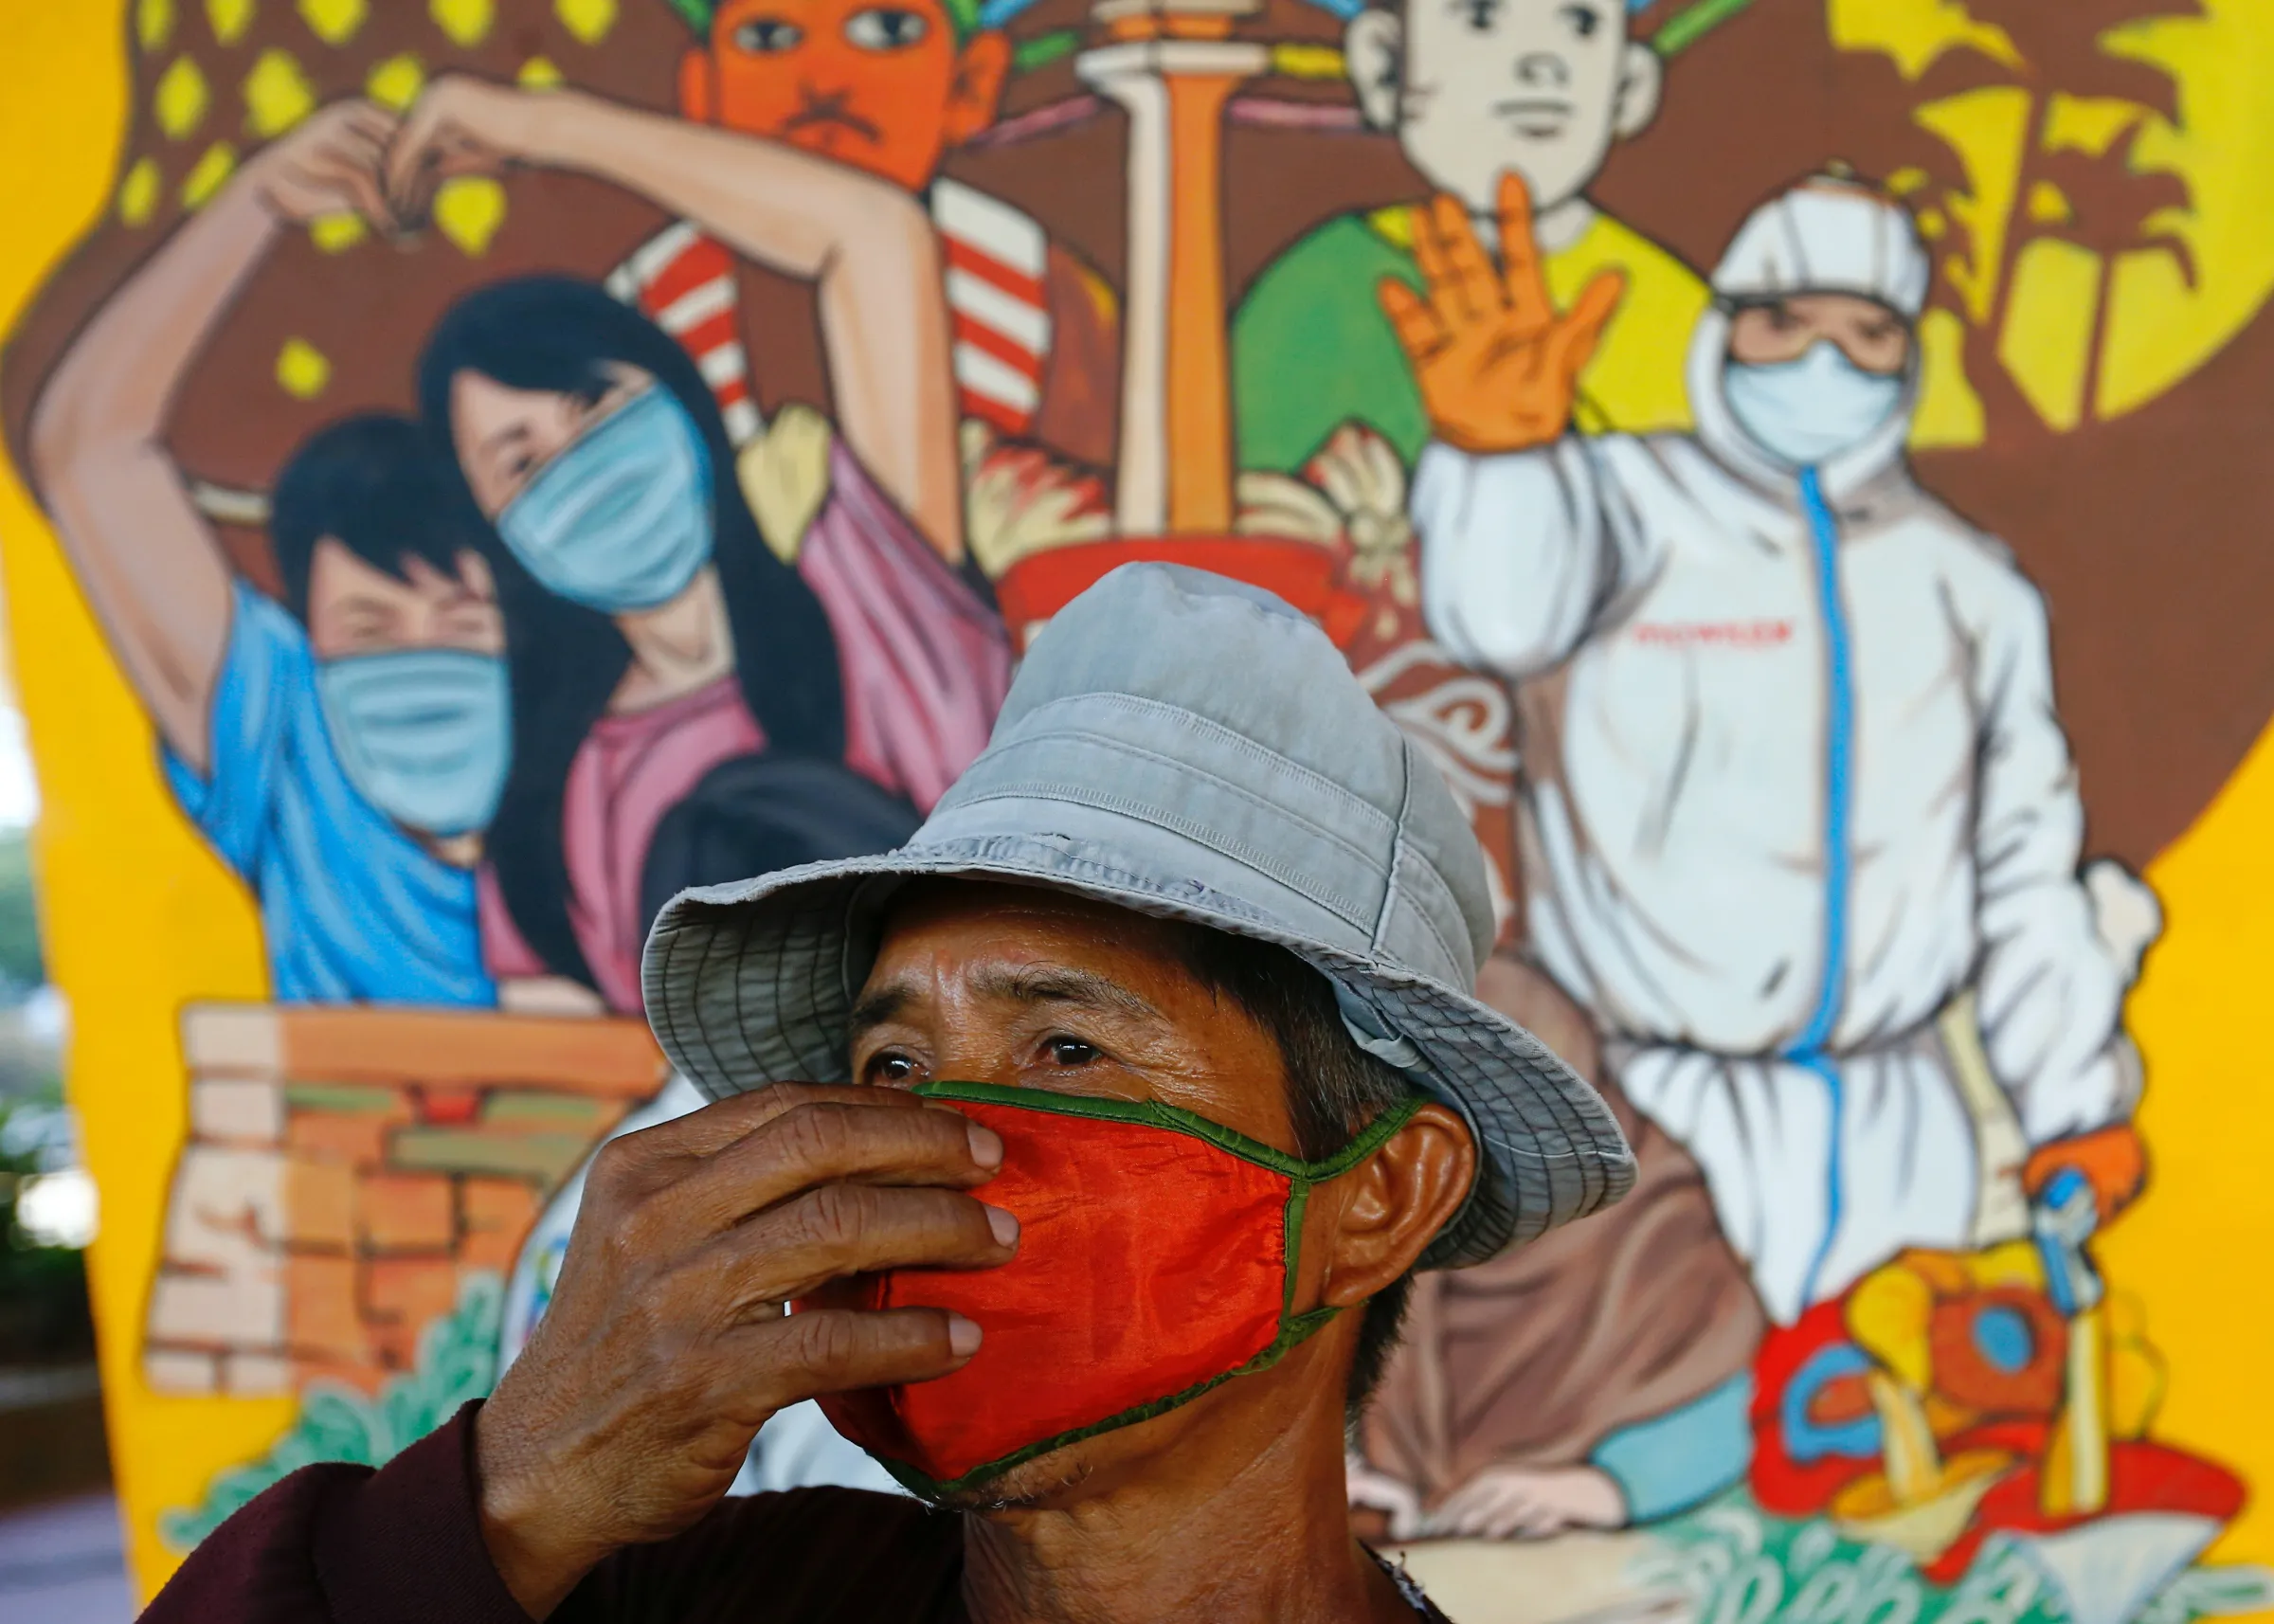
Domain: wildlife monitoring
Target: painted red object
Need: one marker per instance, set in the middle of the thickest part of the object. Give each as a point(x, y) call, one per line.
point(2141, 1477)
point(1038, 585)
point(1783, 1484)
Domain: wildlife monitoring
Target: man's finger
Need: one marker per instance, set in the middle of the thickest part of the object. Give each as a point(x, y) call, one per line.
point(1572, 345)
point(1467, 263)
point(1522, 281)
point(1411, 318)
point(839, 1350)
point(840, 1229)
point(819, 1143)
point(711, 1128)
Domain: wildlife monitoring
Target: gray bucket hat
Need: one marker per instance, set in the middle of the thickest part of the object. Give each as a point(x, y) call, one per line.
point(1184, 746)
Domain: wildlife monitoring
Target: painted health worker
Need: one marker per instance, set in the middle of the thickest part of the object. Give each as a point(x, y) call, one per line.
point(1795, 781)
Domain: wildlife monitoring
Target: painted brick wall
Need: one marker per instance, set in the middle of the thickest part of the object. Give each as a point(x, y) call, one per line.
point(346, 1167)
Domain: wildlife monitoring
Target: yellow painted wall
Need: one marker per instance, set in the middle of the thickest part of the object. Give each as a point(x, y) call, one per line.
point(140, 919)
point(138, 915)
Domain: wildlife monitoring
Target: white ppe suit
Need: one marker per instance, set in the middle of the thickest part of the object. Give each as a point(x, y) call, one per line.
point(1792, 782)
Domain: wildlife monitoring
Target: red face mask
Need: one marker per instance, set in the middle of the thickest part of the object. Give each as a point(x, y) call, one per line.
point(1156, 1259)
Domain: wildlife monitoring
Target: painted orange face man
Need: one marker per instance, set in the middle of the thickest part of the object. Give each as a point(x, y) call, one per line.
point(888, 85)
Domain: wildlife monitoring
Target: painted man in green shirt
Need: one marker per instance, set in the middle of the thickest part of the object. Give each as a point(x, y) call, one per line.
point(1472, 88)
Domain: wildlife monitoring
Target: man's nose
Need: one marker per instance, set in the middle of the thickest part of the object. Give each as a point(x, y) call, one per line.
point(1543, 71)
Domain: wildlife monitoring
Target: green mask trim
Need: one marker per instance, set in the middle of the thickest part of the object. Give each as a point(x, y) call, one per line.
point(1293, 1327)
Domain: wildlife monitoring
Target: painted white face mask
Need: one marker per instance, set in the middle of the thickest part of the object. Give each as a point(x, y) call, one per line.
point(620, 520)
point(1807, 412)
point(426, 733)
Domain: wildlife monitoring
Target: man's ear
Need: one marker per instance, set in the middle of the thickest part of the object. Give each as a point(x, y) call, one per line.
point(1641, 78)
point(695, 97)
point(1395, 1203)
point(975, 96)
point(1373, 59)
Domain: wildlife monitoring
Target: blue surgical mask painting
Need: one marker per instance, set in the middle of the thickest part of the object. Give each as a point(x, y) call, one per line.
point(620, 520)
point(1807, 412)
point(424, 733)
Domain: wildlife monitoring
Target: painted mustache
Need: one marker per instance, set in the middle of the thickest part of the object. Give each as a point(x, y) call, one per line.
point(830, 110)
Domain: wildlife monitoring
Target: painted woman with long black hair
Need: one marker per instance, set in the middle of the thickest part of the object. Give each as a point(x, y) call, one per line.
point(675, 679)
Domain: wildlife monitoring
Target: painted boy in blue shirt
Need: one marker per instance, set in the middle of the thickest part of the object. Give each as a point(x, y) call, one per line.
point(344, 749)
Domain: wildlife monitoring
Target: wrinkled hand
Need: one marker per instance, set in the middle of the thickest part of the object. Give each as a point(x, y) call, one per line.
point(460, 125)
point(2112, 1158)
point(1529, 1503)
point(328, 164)
point(1497, 366)
point(666, 1348)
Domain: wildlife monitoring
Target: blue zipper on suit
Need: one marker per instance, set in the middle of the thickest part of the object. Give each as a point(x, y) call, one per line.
point(1809, 1050)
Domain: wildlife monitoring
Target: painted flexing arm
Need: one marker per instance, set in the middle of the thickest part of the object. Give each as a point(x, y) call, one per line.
point(149, 562)
point(865, 244)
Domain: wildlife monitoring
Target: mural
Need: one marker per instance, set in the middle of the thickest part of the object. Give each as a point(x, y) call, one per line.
point(1788, 462)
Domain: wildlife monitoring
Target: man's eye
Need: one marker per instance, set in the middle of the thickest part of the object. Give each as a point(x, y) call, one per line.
point(1070, 1051)
point(885, 28)
point(1480, 14)
point(891, 1070)
point(1582, 20)
point(764, 36)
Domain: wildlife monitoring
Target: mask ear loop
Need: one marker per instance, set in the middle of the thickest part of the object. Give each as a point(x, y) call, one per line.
point(1294, 1327)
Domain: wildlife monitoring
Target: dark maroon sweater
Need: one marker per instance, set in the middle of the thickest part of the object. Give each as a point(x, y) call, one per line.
point(402, 1544)
point(347, 1544)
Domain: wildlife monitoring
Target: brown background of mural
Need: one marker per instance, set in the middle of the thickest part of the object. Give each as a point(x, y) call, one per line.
point(2142, 532)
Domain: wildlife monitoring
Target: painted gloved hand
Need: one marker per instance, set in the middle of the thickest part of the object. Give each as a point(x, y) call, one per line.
point(1497, 366)
point(2112, 1160)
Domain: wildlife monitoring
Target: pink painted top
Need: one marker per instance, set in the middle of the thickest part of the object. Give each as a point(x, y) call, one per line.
point(925, 665)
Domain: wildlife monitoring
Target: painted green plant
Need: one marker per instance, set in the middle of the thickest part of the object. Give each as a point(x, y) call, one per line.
point(1741, 1565)
point(458, 1361)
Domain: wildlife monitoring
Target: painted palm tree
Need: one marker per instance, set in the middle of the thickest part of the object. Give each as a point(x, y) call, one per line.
point(2076, 106)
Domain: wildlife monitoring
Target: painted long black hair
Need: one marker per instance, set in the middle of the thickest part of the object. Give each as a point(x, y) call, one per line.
point(559, 334)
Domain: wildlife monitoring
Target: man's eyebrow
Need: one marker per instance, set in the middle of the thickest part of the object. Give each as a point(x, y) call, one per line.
point(877, 1007)
point(1058, 983)
point(1034, 984)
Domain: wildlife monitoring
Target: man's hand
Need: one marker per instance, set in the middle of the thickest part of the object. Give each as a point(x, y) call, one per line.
point(1497, 366)
point(666, 1347)
point(2112, 1160)
point(328, 164)
point(460, 125)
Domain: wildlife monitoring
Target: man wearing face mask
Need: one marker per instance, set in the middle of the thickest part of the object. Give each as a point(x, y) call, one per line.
point(1146, 1078)
point(342, 751)
point(1793, 780)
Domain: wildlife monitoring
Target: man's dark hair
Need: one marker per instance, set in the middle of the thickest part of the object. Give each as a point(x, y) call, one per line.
point(373, 484)
point(1334, 1089)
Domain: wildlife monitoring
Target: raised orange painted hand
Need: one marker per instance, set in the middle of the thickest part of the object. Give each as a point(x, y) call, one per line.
point(1498, 367)
point(2112, 1158)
